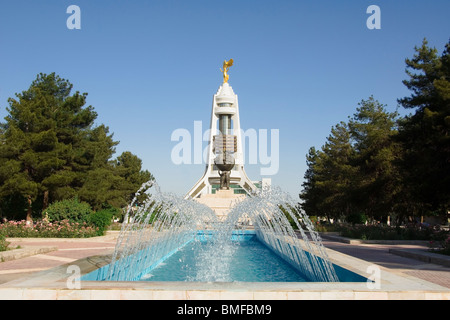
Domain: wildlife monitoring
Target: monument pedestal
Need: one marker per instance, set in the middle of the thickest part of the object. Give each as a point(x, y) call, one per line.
point(221, 202)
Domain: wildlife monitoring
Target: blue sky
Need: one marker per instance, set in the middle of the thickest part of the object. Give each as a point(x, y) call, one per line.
point(151, 67)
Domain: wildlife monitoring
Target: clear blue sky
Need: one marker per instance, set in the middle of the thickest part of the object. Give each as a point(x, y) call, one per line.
point(151, 67)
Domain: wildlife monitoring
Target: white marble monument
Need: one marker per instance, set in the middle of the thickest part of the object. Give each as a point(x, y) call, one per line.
point(225, 155)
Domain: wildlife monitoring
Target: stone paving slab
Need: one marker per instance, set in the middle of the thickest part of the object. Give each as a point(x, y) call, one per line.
point(62, 251)
point(335, 237)
point(407, 266)
point(422, 255)
point(24, 252)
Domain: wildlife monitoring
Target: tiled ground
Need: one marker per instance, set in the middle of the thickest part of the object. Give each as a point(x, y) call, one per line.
point(68, 251)
point(379, 254)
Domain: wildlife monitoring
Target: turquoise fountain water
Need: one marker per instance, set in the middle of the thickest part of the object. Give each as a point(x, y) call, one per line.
point(273, 214)
point(163, 225)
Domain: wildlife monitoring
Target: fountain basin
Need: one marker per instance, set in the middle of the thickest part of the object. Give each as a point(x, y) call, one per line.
point(252, 261)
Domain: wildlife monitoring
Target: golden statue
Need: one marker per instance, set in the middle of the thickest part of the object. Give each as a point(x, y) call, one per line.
point(226, 66)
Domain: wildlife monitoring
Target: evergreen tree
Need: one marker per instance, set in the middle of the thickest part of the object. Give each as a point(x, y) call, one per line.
point(372, 129)
point(329, 177)
point(129, 167)
point(100, 184)
point(310, 194)
point(354, 172)
point(425, 134)
point(399, 166)
point(50, 150)
point(36, 154)
point(115, 182)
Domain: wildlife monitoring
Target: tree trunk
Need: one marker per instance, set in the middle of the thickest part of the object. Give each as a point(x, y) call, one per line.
point(29, 217)
point(45, 202)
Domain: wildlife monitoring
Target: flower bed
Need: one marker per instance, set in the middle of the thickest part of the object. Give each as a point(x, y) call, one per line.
point(44, 229)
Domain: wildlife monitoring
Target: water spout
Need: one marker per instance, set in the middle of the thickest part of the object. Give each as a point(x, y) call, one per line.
point(273, 213)
point(157, 227)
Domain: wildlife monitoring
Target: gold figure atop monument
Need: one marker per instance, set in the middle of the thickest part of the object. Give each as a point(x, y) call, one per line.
point(226, 66)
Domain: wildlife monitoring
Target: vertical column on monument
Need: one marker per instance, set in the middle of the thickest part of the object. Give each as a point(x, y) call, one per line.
point(225, 143)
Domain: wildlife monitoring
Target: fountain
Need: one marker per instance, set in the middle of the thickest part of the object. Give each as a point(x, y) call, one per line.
point(274, 213)
point(159, 226)
point(154, 230)
point(163, 225)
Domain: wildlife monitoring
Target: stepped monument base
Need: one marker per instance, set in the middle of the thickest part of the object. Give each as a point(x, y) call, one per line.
point(221, 202)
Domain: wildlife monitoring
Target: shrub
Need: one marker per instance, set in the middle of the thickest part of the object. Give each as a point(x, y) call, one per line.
point(446, 246)
point(369, 232)
point(326, 227)
point(101, 219)
point(72, 210)
point(3, 243)
point(356, 218)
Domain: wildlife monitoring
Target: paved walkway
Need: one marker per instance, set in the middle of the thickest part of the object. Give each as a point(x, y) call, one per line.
point(379, 254)
point(69, 250)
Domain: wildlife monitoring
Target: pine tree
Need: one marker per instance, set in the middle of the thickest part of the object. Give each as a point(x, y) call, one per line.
point(35, 152)
point(354, 173)
point(50, 150)
point(329, 177)
point(425, 134)
point(372, 129)
point(129, 167)
point(310, 194)
point(99, 184)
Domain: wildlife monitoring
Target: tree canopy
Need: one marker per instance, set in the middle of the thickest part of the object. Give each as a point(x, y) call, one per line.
point(50, 149)
point(425, 134)
point(379, 164)
point(353, 171)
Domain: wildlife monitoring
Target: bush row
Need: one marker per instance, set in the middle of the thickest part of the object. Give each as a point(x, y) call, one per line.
point(62, 219)
point(383, 232)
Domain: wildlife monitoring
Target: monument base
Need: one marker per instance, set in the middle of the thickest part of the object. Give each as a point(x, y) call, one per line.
point(221, 202)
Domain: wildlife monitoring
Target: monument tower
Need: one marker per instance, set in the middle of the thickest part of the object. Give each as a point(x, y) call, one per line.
point(225, 160)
